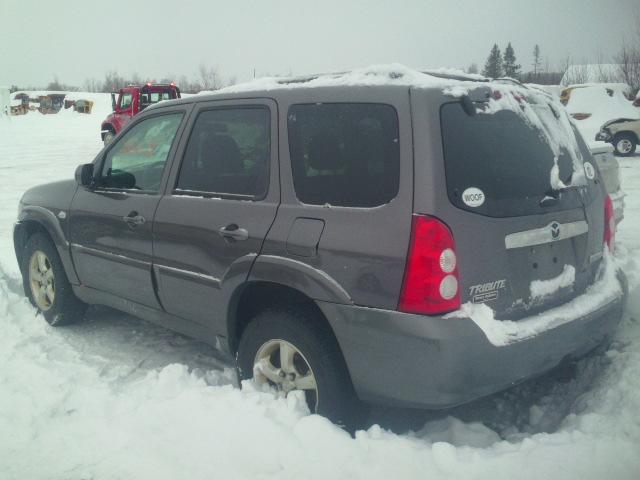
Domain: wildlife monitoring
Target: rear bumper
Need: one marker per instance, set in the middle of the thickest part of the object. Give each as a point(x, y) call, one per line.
point(406, 360)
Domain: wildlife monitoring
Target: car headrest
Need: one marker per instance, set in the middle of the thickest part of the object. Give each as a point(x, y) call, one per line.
point(324, 152)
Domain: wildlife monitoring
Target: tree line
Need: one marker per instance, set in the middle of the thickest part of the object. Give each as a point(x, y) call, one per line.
point(499, 64)
point(207, 78)
point(623, 66)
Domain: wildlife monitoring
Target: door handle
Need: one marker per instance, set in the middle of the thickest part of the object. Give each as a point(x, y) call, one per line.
point(233, 232)
point(133, 219)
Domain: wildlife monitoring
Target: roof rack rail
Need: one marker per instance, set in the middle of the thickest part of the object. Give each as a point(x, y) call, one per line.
point(510, 80)
point(456, 76)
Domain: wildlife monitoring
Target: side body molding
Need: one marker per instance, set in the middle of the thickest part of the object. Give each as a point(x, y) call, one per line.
point(52, 224)
point(314, 283)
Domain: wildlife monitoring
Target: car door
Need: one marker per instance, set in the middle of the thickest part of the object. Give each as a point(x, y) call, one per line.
point(110, 222)
point(221, 200)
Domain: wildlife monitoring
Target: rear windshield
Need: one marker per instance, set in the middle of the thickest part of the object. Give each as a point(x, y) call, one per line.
point(498, 165)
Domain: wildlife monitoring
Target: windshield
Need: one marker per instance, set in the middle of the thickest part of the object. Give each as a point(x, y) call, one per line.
point(150, 97)
point(499, 164)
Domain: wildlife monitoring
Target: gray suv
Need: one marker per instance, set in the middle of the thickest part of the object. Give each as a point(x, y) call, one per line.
point(393, 238)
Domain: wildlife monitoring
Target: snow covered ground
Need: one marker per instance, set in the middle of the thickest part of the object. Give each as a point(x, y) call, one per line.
point(117, 398)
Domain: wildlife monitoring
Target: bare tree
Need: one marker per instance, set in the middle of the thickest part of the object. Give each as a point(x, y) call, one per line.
point(112, 82)
point(209, 77)
point(537, 61)
point(628, 60)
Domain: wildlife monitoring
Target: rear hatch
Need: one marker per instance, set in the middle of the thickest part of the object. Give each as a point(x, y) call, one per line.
point(527, 200)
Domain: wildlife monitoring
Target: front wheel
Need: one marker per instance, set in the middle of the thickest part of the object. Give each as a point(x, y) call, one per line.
point(45, 282)
point(293, 349)
point(108, 137)
point(624, 144)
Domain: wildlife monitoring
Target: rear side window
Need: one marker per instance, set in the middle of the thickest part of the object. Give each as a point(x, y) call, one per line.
point(498, 165)
point(344, 154)
point(228, 153)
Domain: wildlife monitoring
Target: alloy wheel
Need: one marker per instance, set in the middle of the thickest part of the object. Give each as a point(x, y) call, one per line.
point(624, 145)
point(282, 365)
point(42, 280)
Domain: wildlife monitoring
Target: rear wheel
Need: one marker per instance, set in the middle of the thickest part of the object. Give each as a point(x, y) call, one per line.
point(293, 349)
point(46, 284)
point(624, 144)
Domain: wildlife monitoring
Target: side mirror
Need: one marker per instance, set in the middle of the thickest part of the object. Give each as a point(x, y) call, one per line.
point(124, 180)
point(113, 101)
point(84, 174)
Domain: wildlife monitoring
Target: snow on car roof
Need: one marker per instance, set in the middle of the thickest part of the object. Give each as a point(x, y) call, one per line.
point(534, 106)
point(375, 75)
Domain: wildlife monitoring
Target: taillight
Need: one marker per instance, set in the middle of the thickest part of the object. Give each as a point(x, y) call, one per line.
point(430, 283)
point(609, 224)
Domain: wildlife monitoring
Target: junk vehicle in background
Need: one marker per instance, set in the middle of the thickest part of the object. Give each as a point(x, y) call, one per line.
point(132, 100)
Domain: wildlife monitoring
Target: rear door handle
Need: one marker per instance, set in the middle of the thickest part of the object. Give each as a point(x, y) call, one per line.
point(133, 219)
point(233, 232)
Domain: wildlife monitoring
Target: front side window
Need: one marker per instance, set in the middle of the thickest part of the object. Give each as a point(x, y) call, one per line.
point(125, 101)
point(228, 153)
point(137, 160)
point(344, 154)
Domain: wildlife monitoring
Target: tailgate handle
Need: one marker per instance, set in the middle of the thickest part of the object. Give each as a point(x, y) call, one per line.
point(233, 232)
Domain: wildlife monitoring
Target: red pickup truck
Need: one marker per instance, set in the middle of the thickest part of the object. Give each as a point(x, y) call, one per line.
point(131, 101)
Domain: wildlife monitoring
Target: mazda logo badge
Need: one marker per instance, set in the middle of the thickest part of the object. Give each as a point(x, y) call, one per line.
point(555, 230)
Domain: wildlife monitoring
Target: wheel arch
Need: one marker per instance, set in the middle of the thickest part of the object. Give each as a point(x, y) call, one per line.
point(255, 296)
point(34, 220)
point(630, 133)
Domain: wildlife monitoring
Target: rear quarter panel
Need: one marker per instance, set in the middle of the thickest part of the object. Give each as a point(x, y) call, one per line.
point(361, 250)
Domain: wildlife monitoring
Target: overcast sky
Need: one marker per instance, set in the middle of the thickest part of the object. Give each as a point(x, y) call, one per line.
point(79, 39)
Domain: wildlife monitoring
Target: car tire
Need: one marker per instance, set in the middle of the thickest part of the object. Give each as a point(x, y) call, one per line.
point(313, 350)
point(46, 284)
point(108, 137)
point(624, 144)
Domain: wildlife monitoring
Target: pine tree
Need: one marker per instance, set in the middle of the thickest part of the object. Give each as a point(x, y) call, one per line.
point(511, 68)
point(493, 65)
point(537, 61)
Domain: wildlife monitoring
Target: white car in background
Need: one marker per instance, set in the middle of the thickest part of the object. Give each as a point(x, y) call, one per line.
point(591, 106)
